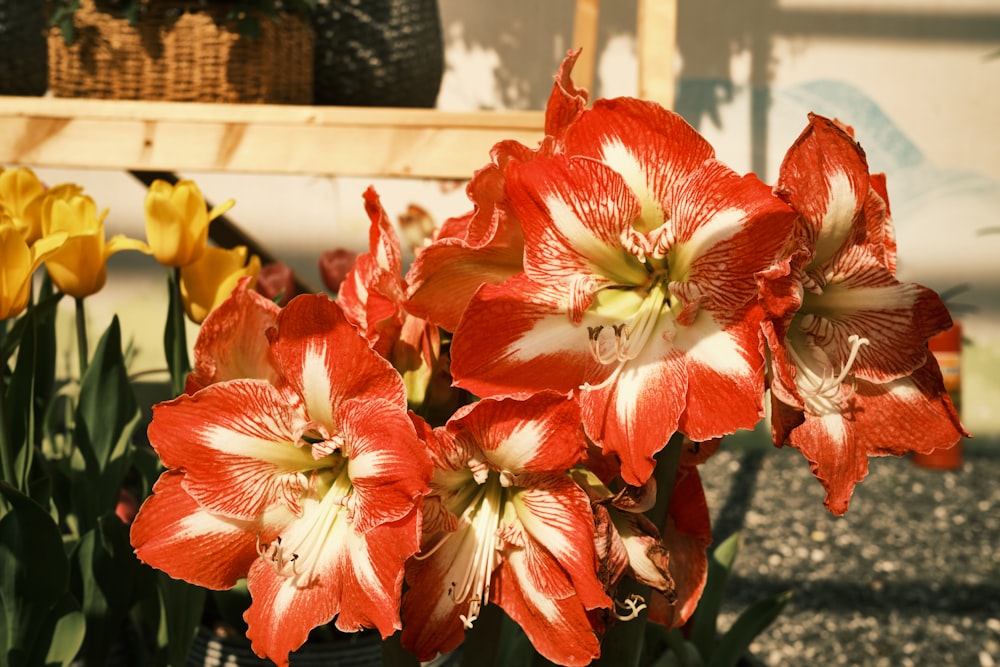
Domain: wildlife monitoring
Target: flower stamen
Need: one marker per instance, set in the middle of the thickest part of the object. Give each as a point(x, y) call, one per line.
point(483, 518)
point(824, 391)
point(633, 605)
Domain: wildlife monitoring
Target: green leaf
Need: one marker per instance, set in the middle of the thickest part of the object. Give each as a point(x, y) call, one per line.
point(68, 631)
point(682, 653)
point(750, 623)
point(34, 574)
point(107, 572)
point(106, 415)
point(182, 607)
point(704, 621)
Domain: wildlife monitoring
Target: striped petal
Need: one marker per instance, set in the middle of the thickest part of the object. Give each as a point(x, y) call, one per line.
point(188, 542)
point(725, 371)
point(824, 176)
point(236, 442)
point(575, 215)
point(891, 419)
point(387, 465)
point(558, 628)
point(556, 515)
point(540, 434)
point(325, 361)
point(346, 574)
point(232, 342)
point(634, 415)
point(516, 339)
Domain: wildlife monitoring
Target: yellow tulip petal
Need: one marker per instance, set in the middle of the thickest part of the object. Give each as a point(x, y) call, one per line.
point(120, 242)
point(221, 208)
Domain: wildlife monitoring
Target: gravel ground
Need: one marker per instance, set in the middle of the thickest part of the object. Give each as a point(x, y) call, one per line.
point(910, 576)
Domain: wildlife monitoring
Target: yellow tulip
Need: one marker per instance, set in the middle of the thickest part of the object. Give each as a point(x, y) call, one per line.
point(209, 281)
point(79, 268)
point(20, 191)
point(177, 222)
point(19, 262)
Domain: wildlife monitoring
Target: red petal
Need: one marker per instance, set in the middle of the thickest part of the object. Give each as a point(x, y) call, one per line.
point(634, 416)
point(232, 341)
point(236, 463)
point(537, 435)
point(175, 534)
point(325, 360)
point(824, 177)
point(556, 515)
point(357, 578)
point(389, 468)
point(566, 101)
point(559, 629)
point(516, 340)
point(687, 535)
point(909, 414)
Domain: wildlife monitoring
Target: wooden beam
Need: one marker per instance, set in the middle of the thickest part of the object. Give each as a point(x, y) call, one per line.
point(585, 21)
point(656, 37)
point(247, 138)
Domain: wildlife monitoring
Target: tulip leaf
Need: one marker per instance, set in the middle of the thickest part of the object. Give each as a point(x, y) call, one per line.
point(705, 619)
point(107, 571)
point(107, 414)
point(754, 620)
point(34, 576)
point(182, 607)
point(29, 388)
point(68, 631)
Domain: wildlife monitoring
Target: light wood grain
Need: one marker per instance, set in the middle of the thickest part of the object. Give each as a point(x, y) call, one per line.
point(657, 43)
point(172, 136)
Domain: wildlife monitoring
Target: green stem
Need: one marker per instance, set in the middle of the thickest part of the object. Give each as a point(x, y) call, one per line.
point(178, 361)
point(81, 336)
point(6, 455)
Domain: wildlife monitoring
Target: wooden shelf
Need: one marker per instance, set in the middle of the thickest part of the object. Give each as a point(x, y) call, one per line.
point(249, 138)
point(142, 136)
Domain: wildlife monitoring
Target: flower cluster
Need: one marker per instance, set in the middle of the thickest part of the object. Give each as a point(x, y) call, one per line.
point(491, 426)
point(518, 418)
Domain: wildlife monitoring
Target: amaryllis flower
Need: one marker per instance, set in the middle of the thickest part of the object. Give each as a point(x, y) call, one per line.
point(486, 245)
point(638, 288)
point(505, 523)
point(308, 486)
point(373, 296)
point(851, 373)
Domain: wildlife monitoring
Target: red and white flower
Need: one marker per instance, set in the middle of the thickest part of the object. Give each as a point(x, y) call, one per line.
point(505, 523)
point(308, 485)
point(851, 375)
point(638, 287)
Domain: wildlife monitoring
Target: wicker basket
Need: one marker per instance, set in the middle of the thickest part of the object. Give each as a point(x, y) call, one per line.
point(182, 55)
point(22, 48)
point(378, 52)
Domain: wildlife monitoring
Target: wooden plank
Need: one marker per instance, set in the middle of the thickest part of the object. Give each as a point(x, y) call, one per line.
point(585, 20)
point(239, 138)
point(657, 42)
